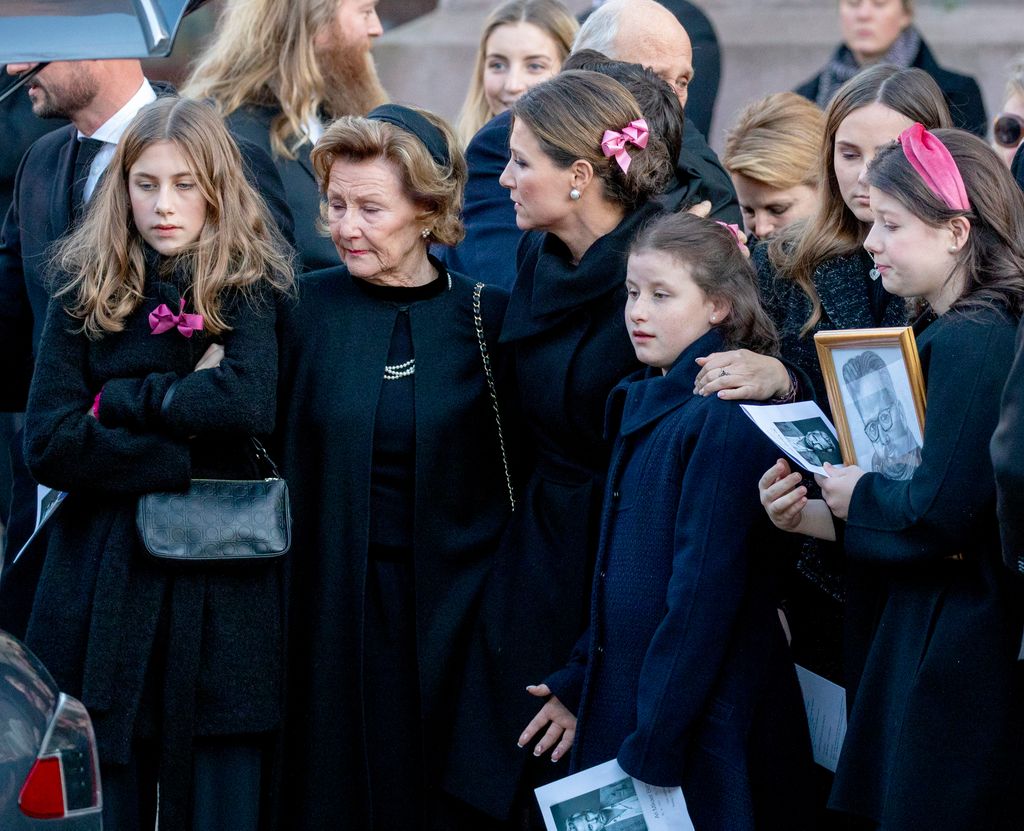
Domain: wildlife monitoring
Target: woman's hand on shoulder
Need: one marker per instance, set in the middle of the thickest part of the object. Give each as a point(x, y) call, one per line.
point(742, 375)
point(559, 721)
point(212, 357)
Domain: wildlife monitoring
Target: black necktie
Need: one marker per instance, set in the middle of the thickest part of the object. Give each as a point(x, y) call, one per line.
point(87, 150)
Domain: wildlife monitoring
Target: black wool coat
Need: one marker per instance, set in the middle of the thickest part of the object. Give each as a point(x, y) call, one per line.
point(140, 642)
point(301, 192)
point(845, 301)
point(962, 93)
point(684, 671)
point(935, 718)
point(334, 345)
point(568, 337)
point(1008, 462)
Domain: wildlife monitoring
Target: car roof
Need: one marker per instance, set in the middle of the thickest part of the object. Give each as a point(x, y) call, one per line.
point(33, 31)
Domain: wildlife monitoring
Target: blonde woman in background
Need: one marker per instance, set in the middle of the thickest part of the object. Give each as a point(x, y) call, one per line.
point(771, 154)
point(1008, 126)
point(523, 43)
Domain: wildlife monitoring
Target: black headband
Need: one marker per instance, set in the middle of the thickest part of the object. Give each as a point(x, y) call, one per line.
point(412, 122)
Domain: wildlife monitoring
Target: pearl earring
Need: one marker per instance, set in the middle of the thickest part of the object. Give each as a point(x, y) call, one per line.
point(574, 195)
point(425, 233)
point(953, 249)
point(714, 318)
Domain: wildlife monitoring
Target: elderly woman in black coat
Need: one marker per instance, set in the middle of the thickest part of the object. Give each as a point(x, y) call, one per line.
point(570, 346)
point(398, 479)
point(883, 32)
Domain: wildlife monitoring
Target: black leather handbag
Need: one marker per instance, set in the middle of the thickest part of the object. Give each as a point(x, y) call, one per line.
point(219, 519)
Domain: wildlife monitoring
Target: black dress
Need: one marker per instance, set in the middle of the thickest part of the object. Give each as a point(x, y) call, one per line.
point(389, 443)
point(935, 735)
point(155, 652)
point(566, 327)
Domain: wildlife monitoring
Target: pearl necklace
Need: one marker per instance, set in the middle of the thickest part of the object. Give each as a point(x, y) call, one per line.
point(392, 372)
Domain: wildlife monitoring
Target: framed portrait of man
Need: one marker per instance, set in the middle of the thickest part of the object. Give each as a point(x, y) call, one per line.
point(876, 391)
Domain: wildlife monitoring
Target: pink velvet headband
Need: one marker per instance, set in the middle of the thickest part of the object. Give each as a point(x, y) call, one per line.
point(934, 163)
point(614, 141)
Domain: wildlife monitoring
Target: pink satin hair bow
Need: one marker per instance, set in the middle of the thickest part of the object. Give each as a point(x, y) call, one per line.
point(162, 319)
point(733, 229)
point(934, 163)
point(614, 141)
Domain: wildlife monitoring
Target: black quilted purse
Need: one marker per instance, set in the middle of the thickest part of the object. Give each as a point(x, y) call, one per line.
point(219, 519)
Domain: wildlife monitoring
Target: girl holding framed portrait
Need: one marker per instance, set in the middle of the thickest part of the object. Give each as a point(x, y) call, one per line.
point(935, 729)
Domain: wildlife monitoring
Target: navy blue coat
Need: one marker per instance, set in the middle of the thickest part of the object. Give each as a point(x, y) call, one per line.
point(684, 656)
point(492, 236)
point(935, 716)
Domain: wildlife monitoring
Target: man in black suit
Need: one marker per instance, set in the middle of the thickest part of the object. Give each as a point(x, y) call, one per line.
point(279, 91)
point(53, 186)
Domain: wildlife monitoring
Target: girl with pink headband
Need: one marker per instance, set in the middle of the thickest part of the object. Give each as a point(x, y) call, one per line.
point(935, 728)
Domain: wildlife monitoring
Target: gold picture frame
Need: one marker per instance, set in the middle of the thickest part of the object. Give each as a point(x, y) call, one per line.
point(873, 378)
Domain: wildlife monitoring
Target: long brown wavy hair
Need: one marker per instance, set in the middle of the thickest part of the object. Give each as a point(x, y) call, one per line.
point(833, 230)
point(720, 270)
point(992, 259)
point(239, 246)
point(263, 53)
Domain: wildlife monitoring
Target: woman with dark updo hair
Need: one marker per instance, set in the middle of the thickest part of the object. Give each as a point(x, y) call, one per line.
point(582, 172)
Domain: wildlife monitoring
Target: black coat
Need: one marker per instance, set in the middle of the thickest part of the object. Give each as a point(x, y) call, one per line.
point(1008, 462)
point(962, 93)
point(846, 301)
point(684, 665)
point(41, 212)
point(566, 328)
point(334, 345)
point(935, 719)
point(141, 643)
point(492, 235)
point(301, 191)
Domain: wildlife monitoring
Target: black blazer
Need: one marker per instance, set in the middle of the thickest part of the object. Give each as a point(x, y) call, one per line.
point(962, 93)
point(301, 191)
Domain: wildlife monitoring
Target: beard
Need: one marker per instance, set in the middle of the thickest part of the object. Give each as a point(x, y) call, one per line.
point(62, 98)
point(350, 77)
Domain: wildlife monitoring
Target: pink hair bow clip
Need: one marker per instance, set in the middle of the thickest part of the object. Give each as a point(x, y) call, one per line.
point(162, 319)
point(614, 141)
point(733, 229)
point(935, 164)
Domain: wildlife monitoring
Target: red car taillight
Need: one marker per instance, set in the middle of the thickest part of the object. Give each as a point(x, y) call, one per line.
point(65, 779)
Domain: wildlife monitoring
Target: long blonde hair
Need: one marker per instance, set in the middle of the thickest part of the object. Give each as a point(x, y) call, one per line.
point(238, 247)
point(776, 141)
point(550, 16)
point(833, 230)
point(263, 53)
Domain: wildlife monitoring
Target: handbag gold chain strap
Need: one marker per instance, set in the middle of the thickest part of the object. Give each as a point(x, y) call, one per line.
point(486, 358)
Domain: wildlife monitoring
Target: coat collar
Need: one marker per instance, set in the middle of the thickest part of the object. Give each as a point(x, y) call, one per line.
point(556, 287)
point(647, 395)
point(843, 288)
